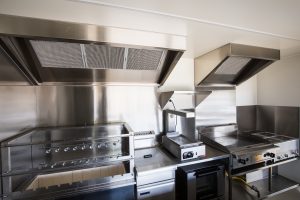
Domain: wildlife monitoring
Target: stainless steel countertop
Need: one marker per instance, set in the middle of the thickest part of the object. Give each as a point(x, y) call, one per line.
point(162, 160)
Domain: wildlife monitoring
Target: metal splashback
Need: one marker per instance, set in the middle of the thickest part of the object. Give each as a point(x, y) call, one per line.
point(52, 52)
point(232, 64)
point(218, 108)
point(24, 107)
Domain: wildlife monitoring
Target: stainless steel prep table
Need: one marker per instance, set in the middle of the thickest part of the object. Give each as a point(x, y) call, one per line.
point(163, 158)
point(155, 174)
point(155, 171)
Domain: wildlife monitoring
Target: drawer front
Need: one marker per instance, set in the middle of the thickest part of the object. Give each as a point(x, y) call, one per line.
point(155, 177)
point(163, 190)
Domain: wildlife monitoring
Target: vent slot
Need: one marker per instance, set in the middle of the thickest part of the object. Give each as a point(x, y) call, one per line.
point(91, 56)
point(143, 59)
point(104, 57)
point(58, 54)
point(232, 65)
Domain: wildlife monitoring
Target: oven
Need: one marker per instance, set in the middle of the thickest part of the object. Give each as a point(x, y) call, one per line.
point(204, 181)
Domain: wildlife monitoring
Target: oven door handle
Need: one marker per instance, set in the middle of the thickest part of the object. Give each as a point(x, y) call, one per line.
point(197, 174)
point(216, 171)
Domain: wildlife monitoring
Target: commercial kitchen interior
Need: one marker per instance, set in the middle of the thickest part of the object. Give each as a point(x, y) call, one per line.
point(136, 99)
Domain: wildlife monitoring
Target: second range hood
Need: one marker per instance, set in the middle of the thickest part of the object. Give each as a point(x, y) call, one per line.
point(232, 64)
point(56, 52)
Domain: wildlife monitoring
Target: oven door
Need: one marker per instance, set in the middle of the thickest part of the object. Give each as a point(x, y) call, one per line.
point(201, 182)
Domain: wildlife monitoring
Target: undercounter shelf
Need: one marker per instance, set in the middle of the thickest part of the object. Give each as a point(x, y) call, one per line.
point(279, 184)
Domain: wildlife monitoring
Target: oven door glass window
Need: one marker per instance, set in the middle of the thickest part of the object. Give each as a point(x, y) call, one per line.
point(208, 183)
point(206, 186)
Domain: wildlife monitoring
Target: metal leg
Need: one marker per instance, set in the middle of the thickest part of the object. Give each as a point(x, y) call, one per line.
point(228, 166)
point(270, 178)
point(229, 185)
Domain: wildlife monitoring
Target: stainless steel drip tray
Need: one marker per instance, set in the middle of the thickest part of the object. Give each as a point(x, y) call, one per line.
point(183, 147)
point(183, 141)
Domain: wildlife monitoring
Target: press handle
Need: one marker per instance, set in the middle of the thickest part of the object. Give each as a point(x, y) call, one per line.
point(148, 156)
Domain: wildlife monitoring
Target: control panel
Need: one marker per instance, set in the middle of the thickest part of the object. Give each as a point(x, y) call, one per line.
point(250, 158)
point(193, 152)
point(288, 149)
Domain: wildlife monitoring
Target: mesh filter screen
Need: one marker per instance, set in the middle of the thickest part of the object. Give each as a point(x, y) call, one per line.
point(58, 54)
point(143, 59)
point(73, 55)
point(104, 57)
point(232, 65)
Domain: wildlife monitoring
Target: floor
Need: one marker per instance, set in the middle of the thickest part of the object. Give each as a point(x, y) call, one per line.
point(293, 194)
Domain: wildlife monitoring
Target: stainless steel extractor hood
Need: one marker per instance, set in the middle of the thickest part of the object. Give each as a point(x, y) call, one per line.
point(55, 52)
point(232, 64)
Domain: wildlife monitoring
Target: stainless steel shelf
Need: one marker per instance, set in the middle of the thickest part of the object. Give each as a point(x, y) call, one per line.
point(199, 96)
point(280, 184)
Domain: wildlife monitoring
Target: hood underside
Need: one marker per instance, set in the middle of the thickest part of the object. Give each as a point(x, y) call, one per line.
point(54, 52)
point(232, 64)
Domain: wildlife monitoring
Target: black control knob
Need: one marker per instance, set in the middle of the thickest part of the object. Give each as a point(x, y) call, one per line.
point(272, 155)
point(278, 157)
point(270, 162)
point(266, 154)
point(286, 155)
point(190, 154)
point(242, 161)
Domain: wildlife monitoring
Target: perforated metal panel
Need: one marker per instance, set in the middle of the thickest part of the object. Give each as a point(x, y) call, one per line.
point(104, 57)
point(232, 65)
point(143, 59)
point(58, 54)
point(72, 55)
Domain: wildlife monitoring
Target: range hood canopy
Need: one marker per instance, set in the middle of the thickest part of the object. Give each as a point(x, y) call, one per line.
point(232, 64)
point(55, 52)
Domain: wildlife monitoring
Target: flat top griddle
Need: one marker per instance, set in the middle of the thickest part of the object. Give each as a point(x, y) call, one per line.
point(233, 142)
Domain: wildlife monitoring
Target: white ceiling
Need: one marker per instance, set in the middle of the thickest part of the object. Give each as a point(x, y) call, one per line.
point(274, 17)
point(207, 24)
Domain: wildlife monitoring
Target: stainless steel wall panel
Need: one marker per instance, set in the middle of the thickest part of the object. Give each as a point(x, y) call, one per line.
point(246, 117)
point(287, 121)
point(282, 120)
point(266, 118)
point(83, 105)
point(17, 109)
point(218, 108)
point(59, 106)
